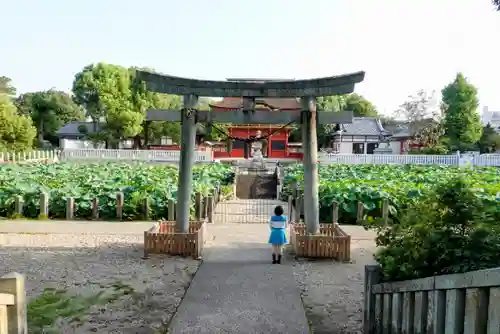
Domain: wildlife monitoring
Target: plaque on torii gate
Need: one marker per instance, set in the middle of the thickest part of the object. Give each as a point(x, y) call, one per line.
point(308, 118)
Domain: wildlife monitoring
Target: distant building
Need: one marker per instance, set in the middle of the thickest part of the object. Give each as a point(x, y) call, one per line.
point(491, 117)
point(362, 136)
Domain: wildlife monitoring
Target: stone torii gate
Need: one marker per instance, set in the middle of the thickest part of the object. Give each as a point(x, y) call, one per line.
point(308, 117)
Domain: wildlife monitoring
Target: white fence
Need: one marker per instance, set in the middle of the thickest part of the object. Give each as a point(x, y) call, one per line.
point(402, 159)
point(131, 155)
point(19, 157)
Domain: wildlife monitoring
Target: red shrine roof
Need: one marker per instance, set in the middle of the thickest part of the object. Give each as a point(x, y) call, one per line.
point(270, 102)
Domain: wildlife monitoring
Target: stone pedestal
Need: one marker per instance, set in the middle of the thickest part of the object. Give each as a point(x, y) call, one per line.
point(383, 150)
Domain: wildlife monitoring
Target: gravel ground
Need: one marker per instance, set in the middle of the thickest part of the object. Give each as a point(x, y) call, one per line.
point(88, 264)
point(332, 292)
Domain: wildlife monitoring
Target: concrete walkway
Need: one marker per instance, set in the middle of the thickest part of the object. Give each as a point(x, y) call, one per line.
point(238, 290)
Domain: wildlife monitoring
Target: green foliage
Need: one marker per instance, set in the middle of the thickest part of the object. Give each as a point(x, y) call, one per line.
point(113, 94)
point(452, 229)
point(49, 110)
point(462, 122)
point(6, 86)
point(53, 305)
point(360, 106)
point(86, 182)
point(370, 184)
point(16, 131)
point(432, 150)
point(489, 141)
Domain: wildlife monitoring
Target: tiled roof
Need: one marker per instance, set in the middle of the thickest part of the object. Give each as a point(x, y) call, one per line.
point(71, 129)
point(363, 126)
point(273, 103)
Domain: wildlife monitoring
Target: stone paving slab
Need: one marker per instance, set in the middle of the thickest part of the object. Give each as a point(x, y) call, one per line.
point(238, 290)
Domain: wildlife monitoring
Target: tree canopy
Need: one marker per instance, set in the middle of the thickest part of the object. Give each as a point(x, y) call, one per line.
point(49, 111)
point(462, 123)
point(6, 86)
point(489, 141)
point(16, 131)
point(496, 3)
point(113, 94)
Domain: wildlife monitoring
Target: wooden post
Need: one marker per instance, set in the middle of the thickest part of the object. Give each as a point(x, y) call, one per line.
point(70, 208)
point(385, 210)
point(198, 207)
point(335, 212)
point(290, 209)
point(145, 208)
point(14, 284)
point(236, 172)
point(44, 206)
point(310, 146)
point(359, 212)
point(210, 207)
point(205, 207)
point(119, 205)
point(171, 210)
point(18, 206)
point(188, 143)
point(95, 208)
point(372, 277)
point(298, 209)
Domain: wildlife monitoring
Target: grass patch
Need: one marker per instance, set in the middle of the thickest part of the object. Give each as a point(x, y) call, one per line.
point(56, 304)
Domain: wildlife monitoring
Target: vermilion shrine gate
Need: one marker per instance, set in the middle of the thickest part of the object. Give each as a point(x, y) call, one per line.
point(246, 94)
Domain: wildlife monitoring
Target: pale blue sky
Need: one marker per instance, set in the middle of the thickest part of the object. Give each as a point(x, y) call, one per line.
point(403, 45)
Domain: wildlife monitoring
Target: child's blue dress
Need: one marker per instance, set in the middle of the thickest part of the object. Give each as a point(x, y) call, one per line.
point(278, 230)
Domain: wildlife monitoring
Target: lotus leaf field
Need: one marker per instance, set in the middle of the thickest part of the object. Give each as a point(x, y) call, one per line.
point(350, 184)
point(84, 182)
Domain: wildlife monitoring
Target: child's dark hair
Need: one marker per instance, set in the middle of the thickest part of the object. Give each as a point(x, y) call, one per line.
point(278, 211)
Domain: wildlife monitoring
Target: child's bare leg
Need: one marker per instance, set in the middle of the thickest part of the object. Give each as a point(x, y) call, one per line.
point(279, 253)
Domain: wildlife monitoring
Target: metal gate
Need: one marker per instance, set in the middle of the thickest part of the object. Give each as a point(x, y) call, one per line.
point(246, 211)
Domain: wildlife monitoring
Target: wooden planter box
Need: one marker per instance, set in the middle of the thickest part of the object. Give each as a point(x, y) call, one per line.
point(331, 243)
point(162, 239)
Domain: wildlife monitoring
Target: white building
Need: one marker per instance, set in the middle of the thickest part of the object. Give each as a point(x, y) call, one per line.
point(362, 136)
point(492, 117)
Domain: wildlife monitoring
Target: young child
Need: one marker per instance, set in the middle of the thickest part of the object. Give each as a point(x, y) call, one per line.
point(277, 238)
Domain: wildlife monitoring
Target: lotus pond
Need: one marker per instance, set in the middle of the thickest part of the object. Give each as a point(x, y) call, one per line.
point(84, 182)
point(350, 184)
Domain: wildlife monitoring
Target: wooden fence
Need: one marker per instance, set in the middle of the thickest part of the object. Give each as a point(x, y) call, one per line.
point(331, 242)
point(466, 303)
point(162, 237)
point(13, 317)
point(202, 206)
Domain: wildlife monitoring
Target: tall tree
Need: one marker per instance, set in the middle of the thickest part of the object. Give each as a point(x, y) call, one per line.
point(462, 122)
point(49, 110)
point(489, 141)
point(16, 131)
point(359, 106)
point(6, 86)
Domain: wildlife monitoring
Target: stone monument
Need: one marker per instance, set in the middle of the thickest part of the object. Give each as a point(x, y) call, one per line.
point(257, 157)
point(384, 147)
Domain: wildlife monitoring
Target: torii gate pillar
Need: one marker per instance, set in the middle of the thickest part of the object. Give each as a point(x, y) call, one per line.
point(310, 162)
point(188, 143)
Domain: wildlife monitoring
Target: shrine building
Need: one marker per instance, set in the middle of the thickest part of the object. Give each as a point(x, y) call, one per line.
point(277, 143)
